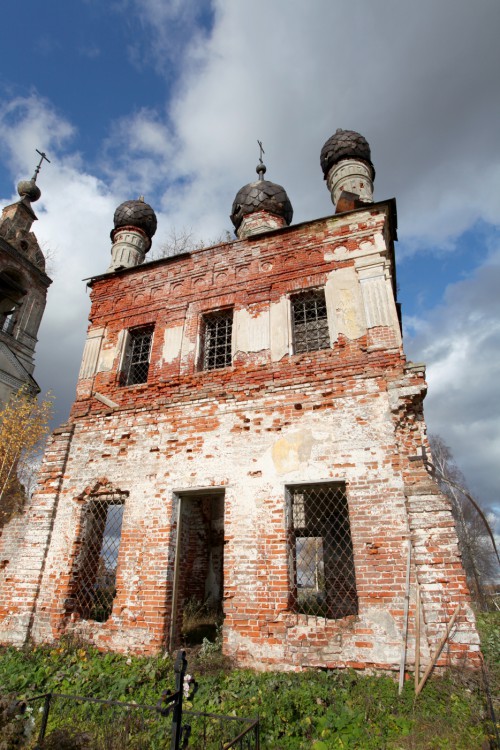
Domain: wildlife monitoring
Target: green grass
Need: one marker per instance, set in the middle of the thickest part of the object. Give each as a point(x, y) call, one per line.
point(320, 710)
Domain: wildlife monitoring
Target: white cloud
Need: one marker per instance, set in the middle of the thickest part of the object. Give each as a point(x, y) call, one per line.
point(171, 26)
point(460, 342)
point(28, 123)
point(137, 154)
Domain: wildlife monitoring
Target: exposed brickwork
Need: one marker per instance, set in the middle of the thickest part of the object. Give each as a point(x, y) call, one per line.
point(351, 413)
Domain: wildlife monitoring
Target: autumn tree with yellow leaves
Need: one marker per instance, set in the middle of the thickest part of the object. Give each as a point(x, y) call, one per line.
point(24, 425)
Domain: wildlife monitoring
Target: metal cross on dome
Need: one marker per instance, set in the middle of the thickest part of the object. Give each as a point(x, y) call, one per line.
point(43, 156)
point(262, 152)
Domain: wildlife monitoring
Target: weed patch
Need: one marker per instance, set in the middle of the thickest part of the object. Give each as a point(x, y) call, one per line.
point(314, 710)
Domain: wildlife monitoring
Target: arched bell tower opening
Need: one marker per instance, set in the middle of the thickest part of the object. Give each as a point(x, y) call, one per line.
point(12, 292)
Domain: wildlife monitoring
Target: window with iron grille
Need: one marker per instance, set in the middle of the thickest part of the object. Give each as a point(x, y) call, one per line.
point(216, 349)
point(136, 362)
point(320, 554)
point(94, 574)
point(309, 321)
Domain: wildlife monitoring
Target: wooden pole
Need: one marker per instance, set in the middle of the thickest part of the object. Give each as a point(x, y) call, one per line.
point(438, 651)
point(417, 637)
point(405, 621)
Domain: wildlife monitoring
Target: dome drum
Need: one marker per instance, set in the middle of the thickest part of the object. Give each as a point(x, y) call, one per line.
point(347, 166)
point(134, 226)
point(350, 176)
point(130, 246)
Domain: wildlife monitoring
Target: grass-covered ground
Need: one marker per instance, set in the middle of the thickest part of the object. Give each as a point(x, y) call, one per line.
point(315, 709)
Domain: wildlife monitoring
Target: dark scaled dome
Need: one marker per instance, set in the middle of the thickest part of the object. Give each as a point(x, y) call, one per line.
point(29, 189)
point(136, 214)
point(345, 144)
point(261, 195)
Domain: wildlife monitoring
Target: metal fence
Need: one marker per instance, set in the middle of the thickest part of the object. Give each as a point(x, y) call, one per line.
point(215, 732)
point(74, 721)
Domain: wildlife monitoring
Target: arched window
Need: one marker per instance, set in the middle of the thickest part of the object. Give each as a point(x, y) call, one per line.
point(96, 562)
point(11, 295)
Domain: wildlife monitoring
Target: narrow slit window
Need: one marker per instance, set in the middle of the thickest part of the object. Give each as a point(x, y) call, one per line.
point(309, 322)
point(320, 553)
point(136, 362)
point(217, 333)
point(94, 575)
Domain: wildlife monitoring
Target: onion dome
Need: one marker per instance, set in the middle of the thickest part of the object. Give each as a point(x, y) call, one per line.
point(136, 214)
point(261, 195)
point(345, 144)
point(29, 189)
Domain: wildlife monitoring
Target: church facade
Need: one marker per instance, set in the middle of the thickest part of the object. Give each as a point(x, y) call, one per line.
point(247, 439)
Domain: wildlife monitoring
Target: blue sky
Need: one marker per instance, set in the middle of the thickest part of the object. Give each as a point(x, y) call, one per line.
point(166, 98)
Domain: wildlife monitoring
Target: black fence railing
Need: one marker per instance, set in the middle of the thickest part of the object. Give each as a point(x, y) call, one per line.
point(216, 732)
point(97, 724)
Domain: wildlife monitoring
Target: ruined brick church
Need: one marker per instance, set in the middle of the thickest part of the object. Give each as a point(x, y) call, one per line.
point(247, 435)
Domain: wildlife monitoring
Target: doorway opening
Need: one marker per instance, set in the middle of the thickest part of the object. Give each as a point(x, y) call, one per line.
point(199, 568)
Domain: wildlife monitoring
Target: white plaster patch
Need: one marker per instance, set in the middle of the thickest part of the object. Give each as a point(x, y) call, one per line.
point(279, 322)
point(344, 304)
point(188, 347)
point(106, 359)
point(91, 353)
point(379, 242)
point(251, 332)
point(172, 343)
point(338, 253)
point(366, 247)
point(384, 621)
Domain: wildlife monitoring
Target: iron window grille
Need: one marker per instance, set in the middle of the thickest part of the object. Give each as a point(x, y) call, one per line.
point(217, 332)
point(320, 553)
point(94, 575)
point(136, 365)
point(309, 322)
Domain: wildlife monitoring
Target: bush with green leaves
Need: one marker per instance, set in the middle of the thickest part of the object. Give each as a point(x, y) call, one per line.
point(310, 710)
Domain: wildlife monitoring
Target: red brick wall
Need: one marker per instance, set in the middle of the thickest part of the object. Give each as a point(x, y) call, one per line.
point(351, 413)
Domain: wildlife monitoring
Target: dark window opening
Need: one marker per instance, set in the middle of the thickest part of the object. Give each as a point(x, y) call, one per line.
point(11, 294)
point(136, 364)
point(217, 340)
point(199, 574)
point(320, 553)
point(309, 322)
point(94, 574)
point(8, 321)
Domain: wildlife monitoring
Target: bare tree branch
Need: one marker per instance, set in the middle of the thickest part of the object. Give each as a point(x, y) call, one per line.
point(443, 469)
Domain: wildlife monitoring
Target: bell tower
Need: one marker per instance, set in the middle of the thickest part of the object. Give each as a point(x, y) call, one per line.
point(23, 290)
